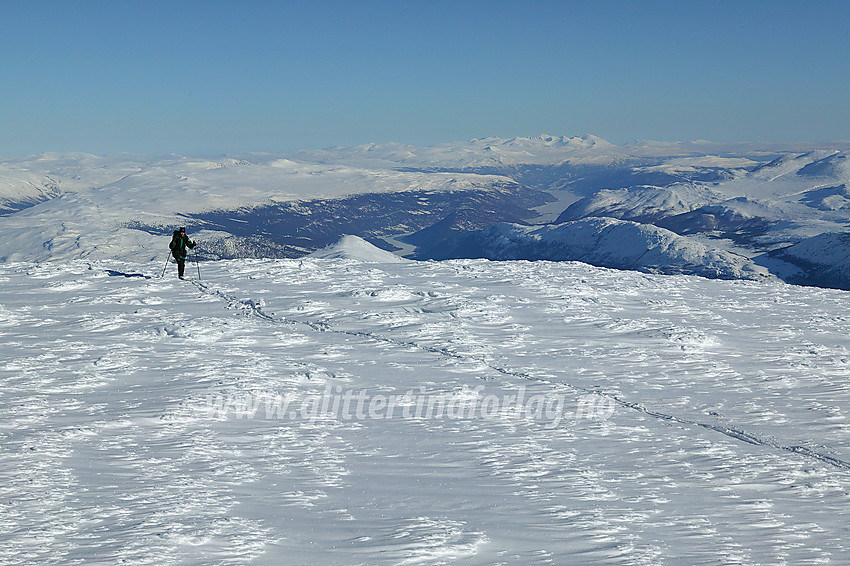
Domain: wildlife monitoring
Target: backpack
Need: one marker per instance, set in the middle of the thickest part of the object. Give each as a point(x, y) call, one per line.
point(175, 245)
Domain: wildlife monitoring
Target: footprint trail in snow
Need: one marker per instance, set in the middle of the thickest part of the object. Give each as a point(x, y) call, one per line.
point(679, 420)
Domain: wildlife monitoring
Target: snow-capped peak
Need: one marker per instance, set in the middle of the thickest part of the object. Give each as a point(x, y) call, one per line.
point(356, 248)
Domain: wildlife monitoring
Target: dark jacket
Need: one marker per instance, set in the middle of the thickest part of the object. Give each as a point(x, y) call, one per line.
point(178, 245)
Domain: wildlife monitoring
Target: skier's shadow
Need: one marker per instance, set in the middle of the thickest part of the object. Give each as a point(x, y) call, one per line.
point(113, 273)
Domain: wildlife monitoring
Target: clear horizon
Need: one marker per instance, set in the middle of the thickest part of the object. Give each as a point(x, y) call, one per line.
point(201, 78)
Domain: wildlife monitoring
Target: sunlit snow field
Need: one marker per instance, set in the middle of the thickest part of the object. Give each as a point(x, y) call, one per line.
point(614, 417)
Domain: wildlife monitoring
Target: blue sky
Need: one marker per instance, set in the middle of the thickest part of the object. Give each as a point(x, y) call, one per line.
point(210, 77)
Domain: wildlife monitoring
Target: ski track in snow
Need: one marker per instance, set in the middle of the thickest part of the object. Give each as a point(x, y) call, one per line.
point(728, 441)
point(686, 338)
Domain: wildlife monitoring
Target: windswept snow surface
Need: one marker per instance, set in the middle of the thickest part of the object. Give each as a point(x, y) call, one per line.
point(331, 411)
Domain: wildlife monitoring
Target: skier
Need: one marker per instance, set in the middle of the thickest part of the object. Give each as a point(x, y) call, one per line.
point(179, 243)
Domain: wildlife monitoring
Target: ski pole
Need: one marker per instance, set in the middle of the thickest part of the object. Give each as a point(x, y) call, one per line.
point(166, 265)
point(195, 255)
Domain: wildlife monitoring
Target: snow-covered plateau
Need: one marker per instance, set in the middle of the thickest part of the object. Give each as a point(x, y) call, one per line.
point(354, 408)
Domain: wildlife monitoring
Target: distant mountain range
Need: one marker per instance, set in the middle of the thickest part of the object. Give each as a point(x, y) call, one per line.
point(746, 211)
